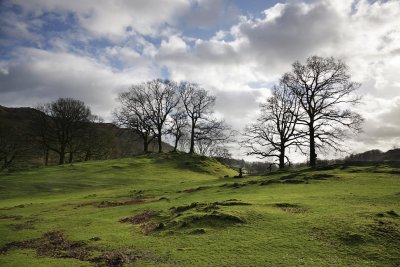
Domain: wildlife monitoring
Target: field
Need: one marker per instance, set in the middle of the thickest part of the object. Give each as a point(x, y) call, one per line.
point(180, 210)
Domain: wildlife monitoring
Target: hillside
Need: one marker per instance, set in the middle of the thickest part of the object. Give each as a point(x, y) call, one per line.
point(120, 142)
point(180, 210)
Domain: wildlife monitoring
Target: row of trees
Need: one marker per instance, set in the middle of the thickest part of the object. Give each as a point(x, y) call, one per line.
point(308, 111)
point(160, 108)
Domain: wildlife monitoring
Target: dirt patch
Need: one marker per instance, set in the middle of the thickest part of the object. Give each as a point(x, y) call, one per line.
point(110, 204)
point(54, 244)
point(215, 219)
point(140, 217)
point(291, 208)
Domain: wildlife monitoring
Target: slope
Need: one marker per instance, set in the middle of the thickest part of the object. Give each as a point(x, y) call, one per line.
point(182, 210)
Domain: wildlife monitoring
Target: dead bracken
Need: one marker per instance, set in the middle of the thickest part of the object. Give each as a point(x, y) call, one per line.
point(140, 217)
point(54, 244)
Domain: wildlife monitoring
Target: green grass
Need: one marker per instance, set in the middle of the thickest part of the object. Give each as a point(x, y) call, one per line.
point(337, 217)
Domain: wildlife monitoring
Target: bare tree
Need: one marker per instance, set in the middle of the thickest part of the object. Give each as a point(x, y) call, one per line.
point(179, 123)
point(324, 90)
point(13, 144)
point(60, 124)
point(275, 130)
point(146, 107)
point(135, 119)
point(211, 134)
point(198, 104)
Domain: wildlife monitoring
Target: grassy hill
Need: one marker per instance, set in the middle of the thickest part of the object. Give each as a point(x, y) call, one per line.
point(180, 210)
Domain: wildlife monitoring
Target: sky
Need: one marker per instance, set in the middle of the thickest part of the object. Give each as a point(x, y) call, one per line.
point(237, 49)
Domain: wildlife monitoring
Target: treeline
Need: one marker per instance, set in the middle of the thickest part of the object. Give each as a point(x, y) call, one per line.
point(150, 112)
point(376, 156)
point(308, 112)
point(29, 137)
point(182, 112)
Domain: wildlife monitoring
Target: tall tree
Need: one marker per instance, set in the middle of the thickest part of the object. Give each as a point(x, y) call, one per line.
point(161, 98)
point(275, 130)
point(325, 92)
point(198, 105)
point(179, 123)
point(146, 107)
point(132, 117)
point(61, 123)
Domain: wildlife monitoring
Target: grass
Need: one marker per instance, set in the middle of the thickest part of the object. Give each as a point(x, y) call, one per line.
point(180, 210)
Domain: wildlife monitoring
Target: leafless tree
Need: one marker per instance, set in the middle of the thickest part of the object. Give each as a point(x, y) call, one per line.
point(146, 107)
point(198, 105)
point(210, 134)
point(325, 91)
point(179, 124)
point(275, 130)
point(135, 119)
point(60, 124)
point(13, 144)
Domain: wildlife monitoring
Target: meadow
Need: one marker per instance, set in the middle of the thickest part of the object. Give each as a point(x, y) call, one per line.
point(185, 210)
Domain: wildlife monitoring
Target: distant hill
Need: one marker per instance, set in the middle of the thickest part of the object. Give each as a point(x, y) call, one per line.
point(376, 155)
point(122, 142)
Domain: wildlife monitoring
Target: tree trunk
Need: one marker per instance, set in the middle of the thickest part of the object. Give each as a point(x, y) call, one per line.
point(145, 145)
point(177, 137)
point(159, 141)
point(282, 158)
point(46, 157)
point(71, 155)
point(191, 151)
point(62, 157)
point(313, 155)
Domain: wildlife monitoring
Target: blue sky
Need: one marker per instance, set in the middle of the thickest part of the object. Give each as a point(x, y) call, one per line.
point(92, 50)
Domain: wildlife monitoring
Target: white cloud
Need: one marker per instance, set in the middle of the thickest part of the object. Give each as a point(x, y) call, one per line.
point(49, 75)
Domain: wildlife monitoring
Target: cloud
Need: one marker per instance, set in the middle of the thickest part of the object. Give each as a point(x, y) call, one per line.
point(40, 76)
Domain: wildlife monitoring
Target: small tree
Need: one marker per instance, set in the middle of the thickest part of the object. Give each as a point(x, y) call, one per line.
point(275, 130)
point(198, 105)
point(324, 90)
point(13, 145)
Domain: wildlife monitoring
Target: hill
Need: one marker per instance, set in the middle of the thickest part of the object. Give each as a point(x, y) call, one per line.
point(117, 142)
point(182, 210)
